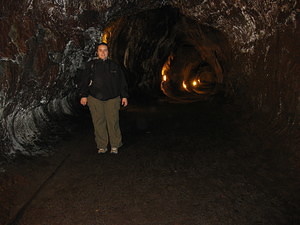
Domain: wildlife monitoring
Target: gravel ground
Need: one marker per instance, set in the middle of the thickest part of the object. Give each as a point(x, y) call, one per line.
point(181, 164)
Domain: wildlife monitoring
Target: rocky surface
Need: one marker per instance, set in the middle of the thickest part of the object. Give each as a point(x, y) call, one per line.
point(45, 42)
point(181, 164)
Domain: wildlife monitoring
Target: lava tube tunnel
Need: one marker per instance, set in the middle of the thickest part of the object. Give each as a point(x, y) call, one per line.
point(213, 111)
point(185, 51)
point(186, 59)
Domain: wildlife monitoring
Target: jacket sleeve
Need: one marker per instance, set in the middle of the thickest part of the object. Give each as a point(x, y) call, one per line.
point(85, 80)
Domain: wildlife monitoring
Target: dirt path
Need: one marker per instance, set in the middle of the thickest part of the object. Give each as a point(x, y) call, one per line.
point(180, 165)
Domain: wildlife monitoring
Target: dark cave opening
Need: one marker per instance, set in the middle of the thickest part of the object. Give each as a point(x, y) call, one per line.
point(163, 51)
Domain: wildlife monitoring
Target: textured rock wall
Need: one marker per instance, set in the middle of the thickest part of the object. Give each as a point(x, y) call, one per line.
point(263, 37)
point(44, 42)
point(38, 60)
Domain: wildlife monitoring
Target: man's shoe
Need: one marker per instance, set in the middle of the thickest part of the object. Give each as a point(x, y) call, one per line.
point(114, 150)
point(102, 150)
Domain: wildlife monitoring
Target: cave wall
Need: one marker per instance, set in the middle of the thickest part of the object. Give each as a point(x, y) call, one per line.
point(263, 37)
point(169, 37)
point(142, 42)
point(44, 42)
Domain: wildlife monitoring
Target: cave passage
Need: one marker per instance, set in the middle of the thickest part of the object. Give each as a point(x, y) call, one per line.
point(180, 164)
point(163, 48)
point(210, 134)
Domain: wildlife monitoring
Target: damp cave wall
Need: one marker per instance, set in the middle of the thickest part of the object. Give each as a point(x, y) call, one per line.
point(45, 42)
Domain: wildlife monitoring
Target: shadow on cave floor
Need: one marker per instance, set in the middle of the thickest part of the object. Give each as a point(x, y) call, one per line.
point(181, 164)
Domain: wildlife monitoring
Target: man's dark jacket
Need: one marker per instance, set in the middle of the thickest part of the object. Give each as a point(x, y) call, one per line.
point(103, 79)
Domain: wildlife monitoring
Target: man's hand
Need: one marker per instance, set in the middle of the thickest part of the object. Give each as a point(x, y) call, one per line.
point(83, 101)
point(124, 102)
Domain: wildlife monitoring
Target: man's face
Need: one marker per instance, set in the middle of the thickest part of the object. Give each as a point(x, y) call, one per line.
point(102, 52)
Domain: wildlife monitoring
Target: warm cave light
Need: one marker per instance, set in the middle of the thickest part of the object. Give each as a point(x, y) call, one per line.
point(106, 35)
point(194, 83)
point(166, 75)
point(184, 85)
point(105, 38)
point(164, 69)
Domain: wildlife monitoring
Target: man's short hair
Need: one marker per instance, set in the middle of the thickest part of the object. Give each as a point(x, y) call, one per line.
point(102, 43)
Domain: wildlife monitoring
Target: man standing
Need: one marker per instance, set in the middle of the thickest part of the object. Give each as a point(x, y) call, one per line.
point(104, 90)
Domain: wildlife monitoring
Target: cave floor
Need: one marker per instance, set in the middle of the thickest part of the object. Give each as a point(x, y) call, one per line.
point(181, 164)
